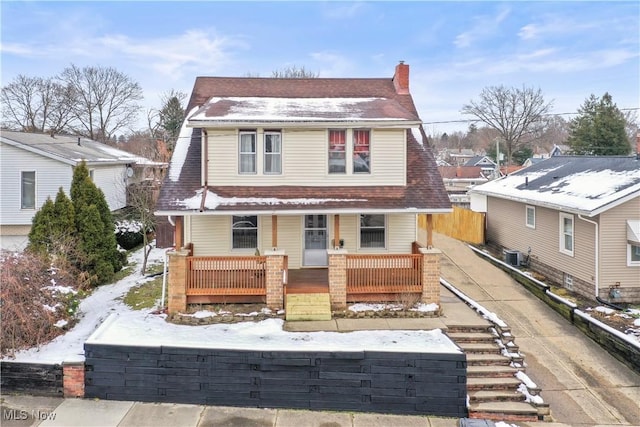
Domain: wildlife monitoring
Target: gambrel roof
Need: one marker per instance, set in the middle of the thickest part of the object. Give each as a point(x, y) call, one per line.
point(576, 184)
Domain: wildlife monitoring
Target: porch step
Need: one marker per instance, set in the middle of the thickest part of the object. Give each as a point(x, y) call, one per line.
point(484, 348)
point(504, 411)
point(480, 383)
point(472, 337)
point(487, 371)
point(495, 396)
point(315, 306)
point(487, 359)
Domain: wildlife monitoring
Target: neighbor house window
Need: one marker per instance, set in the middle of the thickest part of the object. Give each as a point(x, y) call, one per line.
point(244, 232)
point(566, 233)
point(272, 153)
point(633, 254)
point(372, 231)
point(337, 153)
point(28, 190)
point(531, 216)
point(247, 160)
point(361, 151)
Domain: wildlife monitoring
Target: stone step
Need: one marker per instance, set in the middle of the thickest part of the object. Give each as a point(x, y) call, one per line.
point(504, 411)
point(472, 329)
point(307, 307)
point(483, 359)
point(483, 383)
point(472, 337)
point(490, 371)
point(495, 396)
point(479, 348)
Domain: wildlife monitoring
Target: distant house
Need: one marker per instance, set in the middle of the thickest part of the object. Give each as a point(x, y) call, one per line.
point(460, 156)
point(482, 161)
point(577, 217)
point(532, 161)
point(559, 150)
point(34, 166)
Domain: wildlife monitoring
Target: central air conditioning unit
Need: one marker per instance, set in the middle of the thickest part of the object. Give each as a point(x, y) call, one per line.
point(512, 258)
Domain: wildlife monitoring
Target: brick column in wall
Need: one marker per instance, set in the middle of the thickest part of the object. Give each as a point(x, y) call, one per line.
point(177, 283)
point(338, 278)
point(73, 379)
point(430, 275)
point(274, 279)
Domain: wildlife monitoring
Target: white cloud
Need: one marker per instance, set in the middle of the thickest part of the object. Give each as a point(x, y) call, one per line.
point(344, 11)
point(333, 65)
point(484, 26)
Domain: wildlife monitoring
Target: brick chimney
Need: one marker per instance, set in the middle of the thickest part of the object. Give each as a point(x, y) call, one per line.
point(401, 79)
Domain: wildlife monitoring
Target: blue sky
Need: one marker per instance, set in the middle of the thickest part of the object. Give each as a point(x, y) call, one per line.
point(567, 49)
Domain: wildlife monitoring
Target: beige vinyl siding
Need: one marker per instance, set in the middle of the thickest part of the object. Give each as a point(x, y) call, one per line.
point(50, 176)
point(305, 159)
point(14, 237)
point(210, 235)
point(289, 237)
point(613, 246)
point(348, 231)
point(401, 232)
point(506, 226)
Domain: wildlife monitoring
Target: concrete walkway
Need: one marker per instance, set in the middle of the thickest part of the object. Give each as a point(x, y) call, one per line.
point(582, 383)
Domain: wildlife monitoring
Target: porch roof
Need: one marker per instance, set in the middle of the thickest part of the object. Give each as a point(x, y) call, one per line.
point(424, 192)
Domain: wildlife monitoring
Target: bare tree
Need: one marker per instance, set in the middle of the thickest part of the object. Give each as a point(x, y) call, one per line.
point(510, 111)
point(294, 73)
point(106, 100)
point(36, 104)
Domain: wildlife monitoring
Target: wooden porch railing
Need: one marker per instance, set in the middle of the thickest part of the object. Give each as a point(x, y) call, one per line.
point(237, 275)
point(368, 274)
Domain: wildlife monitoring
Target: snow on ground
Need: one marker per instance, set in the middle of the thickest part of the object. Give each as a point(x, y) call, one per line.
point(93, 311)
point(128, 326)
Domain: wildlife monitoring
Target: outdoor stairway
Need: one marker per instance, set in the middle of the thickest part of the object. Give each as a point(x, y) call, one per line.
point(312, 306)
point(493, 361)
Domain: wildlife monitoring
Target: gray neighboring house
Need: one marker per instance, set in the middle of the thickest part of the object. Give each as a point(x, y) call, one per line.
point(34, 166)
point(578, 216)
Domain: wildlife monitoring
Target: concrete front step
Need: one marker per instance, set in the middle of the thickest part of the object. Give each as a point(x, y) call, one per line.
point(307, 307)
point(472, 337)
point(483, 348)
point(504, 411)
point(495, 396)
point(482, 383)
point(485, 359)
point(489, 371)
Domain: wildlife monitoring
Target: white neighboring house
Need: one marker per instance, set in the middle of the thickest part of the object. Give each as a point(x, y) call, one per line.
point(34, 166)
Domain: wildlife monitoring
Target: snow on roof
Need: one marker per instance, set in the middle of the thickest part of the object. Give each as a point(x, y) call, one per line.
point(418, 136)
point(267, 335)
point(212, 201)
point(295, 109)
point(579, 184)
point(180, 150)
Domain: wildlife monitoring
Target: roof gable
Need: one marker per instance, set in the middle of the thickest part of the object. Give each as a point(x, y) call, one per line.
point(578, 184)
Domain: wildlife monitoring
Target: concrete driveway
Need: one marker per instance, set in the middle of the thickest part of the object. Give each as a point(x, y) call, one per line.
point(582, 383)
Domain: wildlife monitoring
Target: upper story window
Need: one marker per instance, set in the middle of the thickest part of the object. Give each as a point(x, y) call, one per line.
point(372, 231)
point(244, 232)
point(361, 151)
point(566, 233)
point(337, 153)
point(247, 157)
point(28, 190)
point(531, 216)
point(272, 152)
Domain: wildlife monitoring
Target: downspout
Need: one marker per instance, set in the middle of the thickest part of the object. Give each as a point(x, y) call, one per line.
point(204, 142)
point(597, 249)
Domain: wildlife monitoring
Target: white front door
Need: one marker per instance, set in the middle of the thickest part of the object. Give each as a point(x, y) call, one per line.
point(315, 241)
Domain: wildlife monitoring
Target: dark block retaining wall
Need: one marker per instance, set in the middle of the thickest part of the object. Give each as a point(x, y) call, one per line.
point(390, 382)
point(31, 378)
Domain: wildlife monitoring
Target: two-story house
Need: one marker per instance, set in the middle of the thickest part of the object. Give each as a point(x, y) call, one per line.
point(314, 171)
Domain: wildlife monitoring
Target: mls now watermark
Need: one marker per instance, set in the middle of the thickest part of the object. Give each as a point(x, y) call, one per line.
point(18, 415)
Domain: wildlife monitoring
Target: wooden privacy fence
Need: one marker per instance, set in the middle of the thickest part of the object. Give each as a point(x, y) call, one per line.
point(367, 274)
point(462, 224)
point(237, 275)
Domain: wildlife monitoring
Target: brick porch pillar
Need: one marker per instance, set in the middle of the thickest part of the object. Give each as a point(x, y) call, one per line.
point(275, 279)
point(177, 283)
point(430, 275)
point(338, 278)
point(73, 379)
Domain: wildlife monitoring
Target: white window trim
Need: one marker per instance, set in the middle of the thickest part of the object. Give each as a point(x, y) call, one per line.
point(35, 190)
point(264, 145)
point(526, 216)
point(255, 152)
point(573, 234)
point(631, 263)
point(250, 251)
point(386, 236)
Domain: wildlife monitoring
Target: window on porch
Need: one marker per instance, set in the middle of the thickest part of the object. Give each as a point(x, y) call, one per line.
point(244, 232)
point(373, 231)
